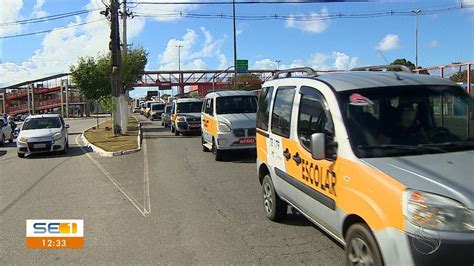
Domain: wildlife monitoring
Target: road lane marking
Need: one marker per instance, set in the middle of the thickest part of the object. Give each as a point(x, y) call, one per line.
point(113, 180)
point(146, 180)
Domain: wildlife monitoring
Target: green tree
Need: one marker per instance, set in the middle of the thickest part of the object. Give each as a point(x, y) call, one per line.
point(404, 62)
point(92, 75)
point(248, 82)
point(462, 77)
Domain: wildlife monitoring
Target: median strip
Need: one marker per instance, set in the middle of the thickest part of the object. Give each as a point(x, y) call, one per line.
point(102, 141)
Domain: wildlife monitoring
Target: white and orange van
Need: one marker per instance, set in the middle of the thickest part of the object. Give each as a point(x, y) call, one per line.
point(228, 121)
point(380, 160)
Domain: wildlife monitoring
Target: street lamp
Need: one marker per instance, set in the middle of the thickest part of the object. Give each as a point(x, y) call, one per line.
point(179, 56)
point(235, 46)
point(278, 64)
point(217, 74)
point(416, 12)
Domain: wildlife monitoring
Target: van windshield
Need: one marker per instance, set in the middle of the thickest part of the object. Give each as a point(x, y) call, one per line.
point(157, 107)
point(236, 104)
point(189, 107)
point(408, 120)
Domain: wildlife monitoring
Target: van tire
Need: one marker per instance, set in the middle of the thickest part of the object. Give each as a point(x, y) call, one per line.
point(176, 132)
point(360, 235)
point(21, 155)
point(2, 140)
point(172, 129)
point(274, 207)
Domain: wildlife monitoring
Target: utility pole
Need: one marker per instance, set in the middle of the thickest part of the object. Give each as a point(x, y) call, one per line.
point(116, 78)
point(416, 12)
point(179, 46)
point(124, 108)
point(124, 25)
point(180, 75)
point(235, 46)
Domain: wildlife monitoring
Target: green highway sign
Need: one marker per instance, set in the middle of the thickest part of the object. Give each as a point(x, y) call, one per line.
point(242, 66)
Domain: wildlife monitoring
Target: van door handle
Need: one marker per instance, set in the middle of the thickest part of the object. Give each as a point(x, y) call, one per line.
point(287, 154)
point(297, 158)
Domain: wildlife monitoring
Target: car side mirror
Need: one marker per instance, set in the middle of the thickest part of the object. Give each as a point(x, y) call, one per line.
point(66, 126)
point(322, 148)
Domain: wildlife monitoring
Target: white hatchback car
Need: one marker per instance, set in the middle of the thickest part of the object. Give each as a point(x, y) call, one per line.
point(42, 134)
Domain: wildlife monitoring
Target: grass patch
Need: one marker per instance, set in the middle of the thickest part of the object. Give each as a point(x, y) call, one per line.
point(104, 138)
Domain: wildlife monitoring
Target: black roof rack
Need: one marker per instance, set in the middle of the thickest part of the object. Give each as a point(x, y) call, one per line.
point(309, 72)
point(395, 68)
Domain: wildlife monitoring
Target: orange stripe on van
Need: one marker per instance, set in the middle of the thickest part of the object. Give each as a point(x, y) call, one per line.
point(370, 194)
point(262, 148)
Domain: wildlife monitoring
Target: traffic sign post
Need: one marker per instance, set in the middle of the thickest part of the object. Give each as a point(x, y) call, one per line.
point(242, 66)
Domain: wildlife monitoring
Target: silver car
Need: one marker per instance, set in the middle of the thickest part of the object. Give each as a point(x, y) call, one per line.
point(6, 132)
point(43, 134)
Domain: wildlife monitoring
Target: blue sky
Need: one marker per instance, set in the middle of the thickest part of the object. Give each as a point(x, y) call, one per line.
point(323, 44)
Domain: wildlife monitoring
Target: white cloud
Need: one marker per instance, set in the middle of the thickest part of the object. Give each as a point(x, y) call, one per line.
point(38, 9)
point(192, 58)
point(318, 61)
point(389, 42)
point(9, 12)
point(432, 44)
point(343, 61)
point(469, 3)
point(61, 48)
point(313, 22)
point(265, 64)
point(223, 62)
point(163, 12)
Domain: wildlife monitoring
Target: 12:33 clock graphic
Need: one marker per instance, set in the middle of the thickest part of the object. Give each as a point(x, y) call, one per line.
point(54, 234)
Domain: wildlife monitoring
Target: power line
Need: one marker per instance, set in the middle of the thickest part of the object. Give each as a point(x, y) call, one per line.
point(239, 2)
point(304, 17)
point(47, 31)
point(47, 18)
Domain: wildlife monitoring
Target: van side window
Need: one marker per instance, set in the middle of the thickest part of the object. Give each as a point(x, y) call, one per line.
point(282, 108)
point(209, 107)
point(263, 111)
point(313, 117)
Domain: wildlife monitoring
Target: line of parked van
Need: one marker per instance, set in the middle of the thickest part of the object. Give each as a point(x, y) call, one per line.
point(367, 155)
point(226, 120)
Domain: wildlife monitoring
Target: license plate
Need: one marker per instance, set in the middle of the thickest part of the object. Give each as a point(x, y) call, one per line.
point(39, 146)
point(194, 126)
point(247, 141)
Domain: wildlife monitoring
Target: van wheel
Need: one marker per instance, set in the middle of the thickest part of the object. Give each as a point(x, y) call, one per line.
point(21, 155)
point(361, 246)
point(2, 141)
point(218, 154)
point(172, 129)
point(176, 132)
point(274, 207)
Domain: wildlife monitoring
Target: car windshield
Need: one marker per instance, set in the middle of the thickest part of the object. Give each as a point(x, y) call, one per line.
point(236, 104)
point(408, 120)
point(42, 123)
point(189, 107)
point(157, 107)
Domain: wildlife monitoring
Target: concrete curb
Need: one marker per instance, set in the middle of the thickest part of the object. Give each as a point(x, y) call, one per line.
point(104, 153)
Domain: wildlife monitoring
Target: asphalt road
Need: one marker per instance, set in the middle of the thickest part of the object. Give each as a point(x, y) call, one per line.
point(171, 203)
